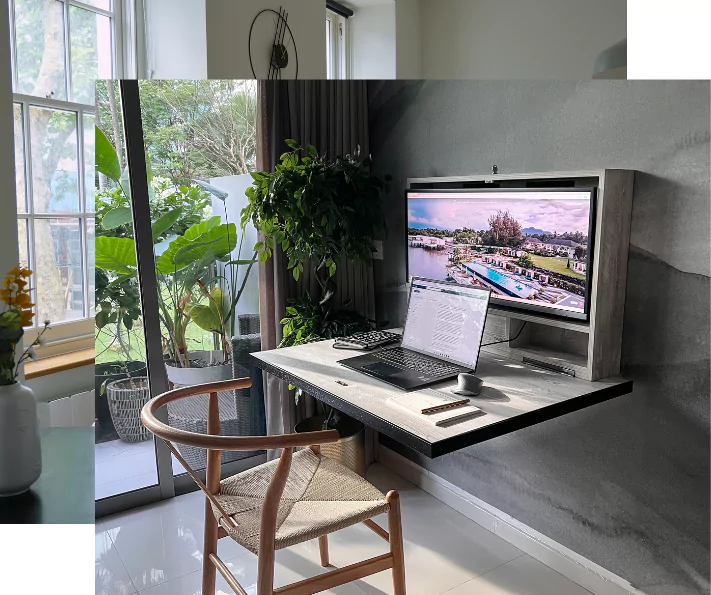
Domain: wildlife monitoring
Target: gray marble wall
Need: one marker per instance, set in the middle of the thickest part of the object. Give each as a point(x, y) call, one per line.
point(624, 483)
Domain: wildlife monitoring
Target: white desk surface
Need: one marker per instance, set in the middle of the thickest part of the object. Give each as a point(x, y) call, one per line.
point(514, 396)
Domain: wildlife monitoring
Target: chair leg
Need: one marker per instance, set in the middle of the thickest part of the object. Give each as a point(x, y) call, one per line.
point(212, 483)
point(209, 547)
point(323, 549)
point(396, 545)
point(265, 571)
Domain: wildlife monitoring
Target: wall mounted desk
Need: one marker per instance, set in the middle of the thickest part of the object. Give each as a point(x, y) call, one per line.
point(515, 396)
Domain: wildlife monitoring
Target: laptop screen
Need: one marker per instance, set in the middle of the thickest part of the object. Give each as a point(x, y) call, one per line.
point(446, 320)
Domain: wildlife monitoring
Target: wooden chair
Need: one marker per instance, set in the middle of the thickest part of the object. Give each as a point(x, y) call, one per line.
point(298, 497)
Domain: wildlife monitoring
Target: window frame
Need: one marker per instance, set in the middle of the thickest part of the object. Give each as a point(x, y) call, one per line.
point(70, 335)
point(339, 51)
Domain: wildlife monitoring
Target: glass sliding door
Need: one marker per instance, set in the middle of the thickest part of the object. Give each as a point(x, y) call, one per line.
point(195, 268)
point(207, 293)
point(125, 454)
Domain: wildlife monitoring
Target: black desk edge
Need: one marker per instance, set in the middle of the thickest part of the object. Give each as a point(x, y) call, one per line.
point(443, 447)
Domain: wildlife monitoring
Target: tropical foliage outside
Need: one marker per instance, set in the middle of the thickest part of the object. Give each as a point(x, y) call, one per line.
point(187, 126)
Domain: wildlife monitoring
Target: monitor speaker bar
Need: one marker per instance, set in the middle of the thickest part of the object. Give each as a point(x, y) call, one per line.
point(548, 366)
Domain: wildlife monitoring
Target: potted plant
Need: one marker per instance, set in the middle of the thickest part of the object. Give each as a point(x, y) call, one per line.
point(20, 450)
point(118, 309)
point(190, 294)
point(319, 211)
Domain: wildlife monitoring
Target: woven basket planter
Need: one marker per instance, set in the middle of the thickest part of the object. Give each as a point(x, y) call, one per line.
point(126, 398)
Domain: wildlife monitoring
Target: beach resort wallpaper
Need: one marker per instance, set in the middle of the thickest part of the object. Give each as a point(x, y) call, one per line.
point(527, 246)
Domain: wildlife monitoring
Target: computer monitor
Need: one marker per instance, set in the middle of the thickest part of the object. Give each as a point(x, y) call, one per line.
point(446, 320)
point(531, 247)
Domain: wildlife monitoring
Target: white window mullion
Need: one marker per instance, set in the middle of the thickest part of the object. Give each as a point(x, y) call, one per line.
point(29, 198)
point(31, 261)
point(13, 44)
point(82, 209)
point(117, 36)
point(59, 104)
point(92, 8)
point(67, 53)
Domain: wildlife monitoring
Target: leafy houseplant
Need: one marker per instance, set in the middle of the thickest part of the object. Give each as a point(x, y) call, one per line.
point(304, 321)
point(317, 210)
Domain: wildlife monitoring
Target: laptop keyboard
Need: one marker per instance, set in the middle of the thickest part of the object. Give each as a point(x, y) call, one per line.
point(408, 360)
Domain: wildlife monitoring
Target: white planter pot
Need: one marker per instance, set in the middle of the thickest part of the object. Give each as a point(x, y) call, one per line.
point(192, 376)
point(20, 450)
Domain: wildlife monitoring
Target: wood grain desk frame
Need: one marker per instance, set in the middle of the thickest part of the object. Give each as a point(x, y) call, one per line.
point(515, 396)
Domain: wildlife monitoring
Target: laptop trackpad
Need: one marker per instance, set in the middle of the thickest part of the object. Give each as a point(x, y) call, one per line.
point(382, 369)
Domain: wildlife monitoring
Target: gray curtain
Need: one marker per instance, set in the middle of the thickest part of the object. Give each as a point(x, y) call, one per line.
point(332, 116)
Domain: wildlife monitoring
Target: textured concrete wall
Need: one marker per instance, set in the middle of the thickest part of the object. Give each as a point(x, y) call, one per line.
point(624, 483)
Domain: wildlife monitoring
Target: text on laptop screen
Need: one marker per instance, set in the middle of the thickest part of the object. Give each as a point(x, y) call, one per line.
point(446, 321)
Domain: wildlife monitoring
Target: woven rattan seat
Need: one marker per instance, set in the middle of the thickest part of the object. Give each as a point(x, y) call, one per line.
point(321, 496)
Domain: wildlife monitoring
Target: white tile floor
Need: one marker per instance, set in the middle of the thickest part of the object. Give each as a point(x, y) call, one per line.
point(122, 466)
point(157, 550)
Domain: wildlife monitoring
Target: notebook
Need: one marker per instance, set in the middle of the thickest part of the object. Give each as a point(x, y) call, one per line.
point(434, 406)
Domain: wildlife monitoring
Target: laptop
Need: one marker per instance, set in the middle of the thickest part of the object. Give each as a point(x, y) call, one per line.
point(441, 339)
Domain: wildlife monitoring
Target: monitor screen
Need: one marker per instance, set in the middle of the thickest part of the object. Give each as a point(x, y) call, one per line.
point(446, 321)
point(531, 248)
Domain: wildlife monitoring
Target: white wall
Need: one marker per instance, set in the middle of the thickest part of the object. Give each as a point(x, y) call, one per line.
point(176, 44)
point(228, 23)
point(509, 39)
point(236, 200)
point(62, 384)
point(9, 252)
point(372, 30)
point(408, 39)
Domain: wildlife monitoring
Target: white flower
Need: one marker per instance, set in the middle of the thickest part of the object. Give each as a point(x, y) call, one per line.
point(32, 352)
point(13, 286)
point(41, 341)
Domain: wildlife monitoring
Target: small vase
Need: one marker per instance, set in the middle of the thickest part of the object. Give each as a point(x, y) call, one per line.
point(20, 450)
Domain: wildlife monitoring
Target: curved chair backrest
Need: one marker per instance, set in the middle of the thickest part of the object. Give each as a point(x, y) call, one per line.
point(213, 441)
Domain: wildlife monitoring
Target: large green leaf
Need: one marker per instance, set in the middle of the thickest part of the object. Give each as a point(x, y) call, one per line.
point(193, 251)
point(212, 244)
point(115, 254)
point(164, 223)
point(210, 316)
point(204, 317)
point(195, 231)
point(107, 161)
point(116, 217)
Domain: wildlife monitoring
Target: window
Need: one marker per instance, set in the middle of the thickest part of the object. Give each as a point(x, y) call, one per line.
point(59, 48)
point(337, 53)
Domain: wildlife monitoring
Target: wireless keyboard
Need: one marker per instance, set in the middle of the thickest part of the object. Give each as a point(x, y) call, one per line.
point(367, 341)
